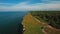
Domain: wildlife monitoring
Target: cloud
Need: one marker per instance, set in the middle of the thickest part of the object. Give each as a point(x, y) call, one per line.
point(6, 4)
point(25, 6)
point(51, 1)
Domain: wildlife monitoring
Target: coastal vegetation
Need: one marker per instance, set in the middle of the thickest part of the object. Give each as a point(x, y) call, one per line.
point(50, 17)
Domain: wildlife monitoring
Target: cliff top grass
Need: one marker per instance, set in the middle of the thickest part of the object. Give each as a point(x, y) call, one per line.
point(32, 26)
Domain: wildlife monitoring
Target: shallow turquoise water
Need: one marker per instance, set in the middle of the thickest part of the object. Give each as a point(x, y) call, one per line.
point(10, 22)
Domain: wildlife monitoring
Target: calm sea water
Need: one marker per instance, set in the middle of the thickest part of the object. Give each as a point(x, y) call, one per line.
point(9, 22)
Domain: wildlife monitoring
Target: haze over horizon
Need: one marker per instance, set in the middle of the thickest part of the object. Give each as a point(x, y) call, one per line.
point(29, 5)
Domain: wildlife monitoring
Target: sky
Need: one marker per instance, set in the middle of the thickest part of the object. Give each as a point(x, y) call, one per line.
point(29, 5)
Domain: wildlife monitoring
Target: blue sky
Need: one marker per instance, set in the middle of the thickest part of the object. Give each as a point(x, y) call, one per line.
point(18, 1)
point(27, 5)
point(11, 1)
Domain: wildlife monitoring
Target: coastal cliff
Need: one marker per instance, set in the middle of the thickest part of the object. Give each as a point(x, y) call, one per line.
point(31, 25)
point(34, 26)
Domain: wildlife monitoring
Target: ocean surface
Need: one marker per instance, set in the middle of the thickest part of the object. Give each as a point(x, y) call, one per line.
point(10, 22)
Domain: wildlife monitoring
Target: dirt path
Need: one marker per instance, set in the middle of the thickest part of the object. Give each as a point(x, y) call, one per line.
point(44, 31)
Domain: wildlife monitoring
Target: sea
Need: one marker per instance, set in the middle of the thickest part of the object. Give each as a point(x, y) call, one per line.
point(10, 22)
